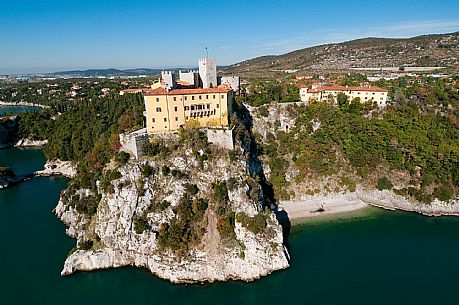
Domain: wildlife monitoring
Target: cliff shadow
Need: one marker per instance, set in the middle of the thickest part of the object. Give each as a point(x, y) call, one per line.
point(244, 136)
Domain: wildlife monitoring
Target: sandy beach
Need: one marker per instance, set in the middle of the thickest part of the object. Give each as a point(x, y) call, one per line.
point(317, 206)
point(339, 203)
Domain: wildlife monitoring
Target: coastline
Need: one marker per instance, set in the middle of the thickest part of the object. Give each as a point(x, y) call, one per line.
point(332, 204)
point(339, 204)
point(24, 143)
point(2, 103)
point(58, 168)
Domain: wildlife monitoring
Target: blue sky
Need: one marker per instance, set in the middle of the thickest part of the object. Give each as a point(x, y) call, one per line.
point(50, 35)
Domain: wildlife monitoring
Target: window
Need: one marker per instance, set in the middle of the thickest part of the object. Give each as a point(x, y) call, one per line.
point(176, 118)
point(199, 107)
point(186, 118)
point(218, 105)
point(158, 109)
point(200, 97)
point(223, 96)
point(175, 109)
point(192, 97)
point(192, 107)
point(157, 99)
point(165, 119)
point(153, 120)
point(208, 106)
point(185, 98)
point(213, 96)
point(373, 93)
point(187, 108)
point(207, 97)
point(175, 99)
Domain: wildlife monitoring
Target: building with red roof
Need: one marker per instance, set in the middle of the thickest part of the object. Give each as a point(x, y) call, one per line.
point(364, 93)
point(168, 110)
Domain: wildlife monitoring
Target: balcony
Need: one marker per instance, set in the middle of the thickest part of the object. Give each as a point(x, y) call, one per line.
point(201, 112)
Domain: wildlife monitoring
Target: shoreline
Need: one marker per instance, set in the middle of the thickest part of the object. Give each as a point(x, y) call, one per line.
point(24, 143)
point(309, 208)
point(341, 216)
point(347, 204)
point(51, 168)
point(27, 104)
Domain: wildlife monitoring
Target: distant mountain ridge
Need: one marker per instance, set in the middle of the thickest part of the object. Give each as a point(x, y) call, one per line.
point(113, 72)
point(427, 50)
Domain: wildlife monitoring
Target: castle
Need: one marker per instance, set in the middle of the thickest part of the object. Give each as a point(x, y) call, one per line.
point(196, 96)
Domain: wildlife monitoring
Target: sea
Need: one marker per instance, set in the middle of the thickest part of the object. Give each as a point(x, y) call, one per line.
point(371, 257)
point(17, 109)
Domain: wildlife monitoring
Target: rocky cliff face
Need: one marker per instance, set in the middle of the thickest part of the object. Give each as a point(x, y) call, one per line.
point(246, 256)
point(7, 132)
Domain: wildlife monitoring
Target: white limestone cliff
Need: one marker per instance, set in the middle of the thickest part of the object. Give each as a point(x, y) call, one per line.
point(58, 167)
point(250, 257)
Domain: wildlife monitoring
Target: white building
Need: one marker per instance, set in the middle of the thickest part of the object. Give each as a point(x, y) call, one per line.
point(323, 93)
point(208, 72)
point(190, 77)
point(168, 79)
point(231, 81)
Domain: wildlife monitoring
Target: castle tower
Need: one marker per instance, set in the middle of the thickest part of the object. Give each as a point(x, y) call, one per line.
point(168, 79)
point(208, 72)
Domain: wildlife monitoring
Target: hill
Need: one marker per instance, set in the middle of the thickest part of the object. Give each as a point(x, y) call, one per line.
point(438, 50)
point(106, 72)
point(113, 72)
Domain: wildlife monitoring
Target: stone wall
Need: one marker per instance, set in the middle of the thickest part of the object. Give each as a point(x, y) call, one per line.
point(222, 137)
point(132, 142)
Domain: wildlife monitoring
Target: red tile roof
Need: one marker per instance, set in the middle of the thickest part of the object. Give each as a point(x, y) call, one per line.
point(162, 91)
point(346, 88)
point(135, 90)
point(183, 83)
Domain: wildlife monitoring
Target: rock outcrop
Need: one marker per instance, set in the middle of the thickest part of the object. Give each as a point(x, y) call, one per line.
point(30, 143)
point(389, 200)
point(58, 168)
point(247, 256)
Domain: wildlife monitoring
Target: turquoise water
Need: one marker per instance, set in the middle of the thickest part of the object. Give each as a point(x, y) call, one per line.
point(378, 258)
point(17, 109)
point(23, 160)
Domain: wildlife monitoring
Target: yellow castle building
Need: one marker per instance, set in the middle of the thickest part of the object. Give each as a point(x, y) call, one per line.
point(168, 110)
